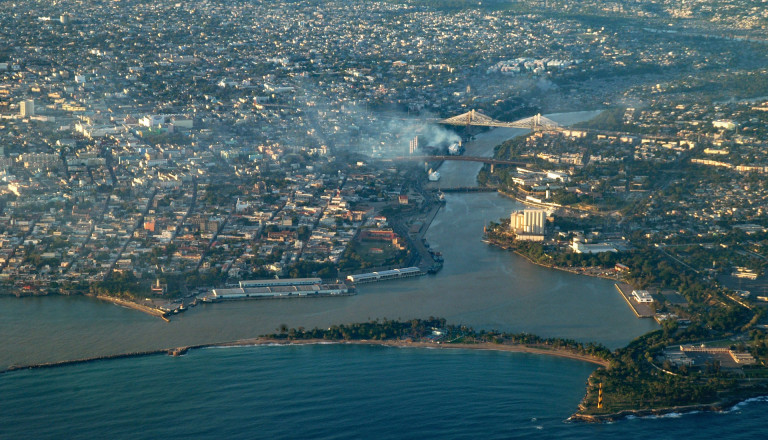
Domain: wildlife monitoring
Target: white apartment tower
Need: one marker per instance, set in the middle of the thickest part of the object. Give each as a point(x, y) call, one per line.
point(27, 108)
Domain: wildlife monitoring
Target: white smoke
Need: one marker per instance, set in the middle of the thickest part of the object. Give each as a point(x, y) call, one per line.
point(389, 135)
point(348, 126)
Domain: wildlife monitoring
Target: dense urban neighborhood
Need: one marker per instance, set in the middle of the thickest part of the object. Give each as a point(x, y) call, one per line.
point(160, 154)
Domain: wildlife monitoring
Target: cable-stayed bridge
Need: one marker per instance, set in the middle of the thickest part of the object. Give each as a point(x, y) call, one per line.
point(474, 117)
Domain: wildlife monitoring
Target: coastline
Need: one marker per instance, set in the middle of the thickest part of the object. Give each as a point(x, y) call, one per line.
point(548, 266)
point(399, 344)
point(641, 413)
point(721, 406)
point(515, 348)
point(177, 351)
point(577, 417)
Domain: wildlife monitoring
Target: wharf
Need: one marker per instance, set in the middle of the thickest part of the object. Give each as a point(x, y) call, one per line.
point(291, 295)
point(132, 305)
point(423, 259)
point(427, 261)
point(641, 310)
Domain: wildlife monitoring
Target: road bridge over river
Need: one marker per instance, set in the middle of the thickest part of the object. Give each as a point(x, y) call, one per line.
point(474, 117)
point(488, 160)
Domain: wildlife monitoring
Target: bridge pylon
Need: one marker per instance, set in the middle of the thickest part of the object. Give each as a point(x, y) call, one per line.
point(473, 117)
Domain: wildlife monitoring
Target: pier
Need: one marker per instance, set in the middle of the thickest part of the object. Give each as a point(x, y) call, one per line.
point(136, 306)
point(175, 351)
point(640, 310)
point(393, 274)
point(279, 288)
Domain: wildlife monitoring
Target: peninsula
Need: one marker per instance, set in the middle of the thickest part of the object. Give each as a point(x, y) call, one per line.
point(622, 384)
point(628, 381)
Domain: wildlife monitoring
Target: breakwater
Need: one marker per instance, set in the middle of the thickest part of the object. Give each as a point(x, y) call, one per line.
point(132, 305)
point(178, 351)
point(83, 361)
point(175, 351)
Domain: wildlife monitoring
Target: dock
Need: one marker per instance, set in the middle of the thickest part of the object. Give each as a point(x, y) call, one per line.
point(279, 288)
point(385, 275)
point(640, 310)
point(136, 306)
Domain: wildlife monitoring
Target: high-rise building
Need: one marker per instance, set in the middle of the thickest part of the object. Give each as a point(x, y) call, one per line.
point(414, 145)
point(528, 222)
point(27, 108)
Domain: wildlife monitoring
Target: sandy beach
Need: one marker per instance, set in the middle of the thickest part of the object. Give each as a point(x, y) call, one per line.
point(564, 353)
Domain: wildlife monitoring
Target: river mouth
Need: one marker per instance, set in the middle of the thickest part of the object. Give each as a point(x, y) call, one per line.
point(480, 286)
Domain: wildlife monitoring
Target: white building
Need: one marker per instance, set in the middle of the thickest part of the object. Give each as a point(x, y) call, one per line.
point(642, 296)
point(27, 108)
point(152, 120)
point(724, 123)
point(528, 221)
point(596, 248)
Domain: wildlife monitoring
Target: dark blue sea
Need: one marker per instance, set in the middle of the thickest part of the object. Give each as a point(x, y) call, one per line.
point(330, 392)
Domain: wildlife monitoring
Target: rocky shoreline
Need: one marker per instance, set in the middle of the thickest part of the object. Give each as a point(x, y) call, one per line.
point(721, 406)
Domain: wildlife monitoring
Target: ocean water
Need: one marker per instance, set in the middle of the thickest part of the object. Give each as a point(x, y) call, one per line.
point(329, 392)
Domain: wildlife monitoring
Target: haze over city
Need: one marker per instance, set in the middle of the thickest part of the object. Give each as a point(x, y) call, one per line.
point(578, 186)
